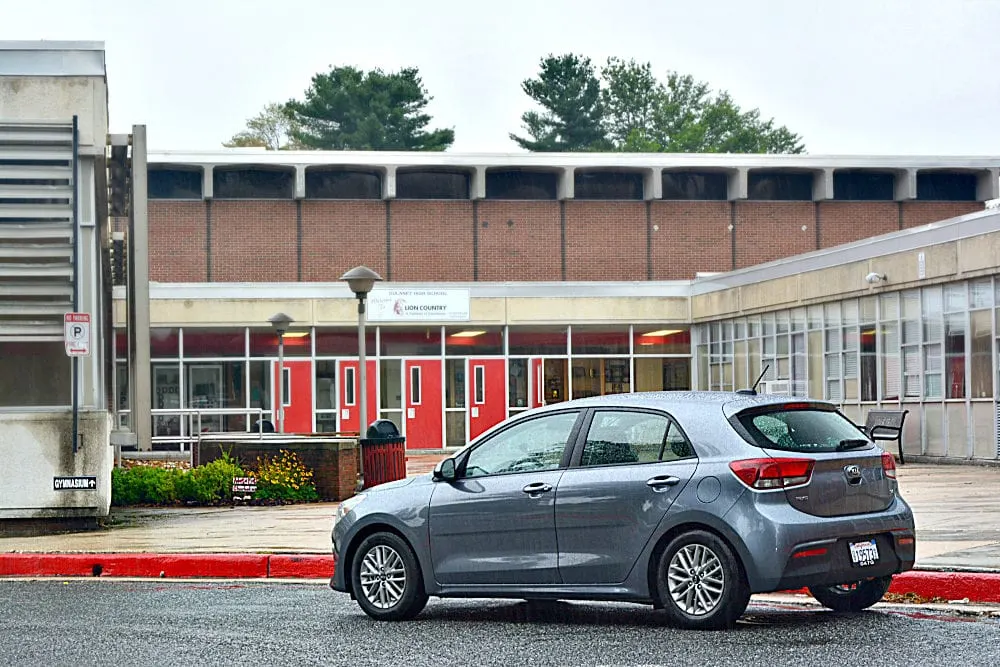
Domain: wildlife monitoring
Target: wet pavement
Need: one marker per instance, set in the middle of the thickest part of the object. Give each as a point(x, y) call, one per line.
point(957, 511)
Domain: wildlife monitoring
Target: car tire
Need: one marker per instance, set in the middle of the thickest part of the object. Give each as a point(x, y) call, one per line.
point(700, 582)
point(863, 594)
point(386, 578)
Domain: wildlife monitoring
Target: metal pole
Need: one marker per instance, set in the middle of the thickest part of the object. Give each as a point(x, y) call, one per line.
point(76, 282)
point(281, 382)
point(363, 382)
point(141, 415)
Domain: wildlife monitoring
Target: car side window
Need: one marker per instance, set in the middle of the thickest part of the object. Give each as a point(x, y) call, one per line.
point(629, 437)
point(532, 445)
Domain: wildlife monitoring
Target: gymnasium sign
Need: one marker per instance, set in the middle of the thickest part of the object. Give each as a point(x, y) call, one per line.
point(431, 305)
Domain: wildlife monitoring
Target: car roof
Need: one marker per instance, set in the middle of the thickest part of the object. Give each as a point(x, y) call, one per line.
point(688, 403)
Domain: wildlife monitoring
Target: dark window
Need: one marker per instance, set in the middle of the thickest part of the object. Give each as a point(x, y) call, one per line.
point(805, 430)
point(633, 437)
point(943, 186)
point(253, 183)
point(778, 186)
point(607, 185)
point(518, 184)
point(432, 185)
point(174, 183)
point(863, 186)
point(695, 185)
point(342, 184)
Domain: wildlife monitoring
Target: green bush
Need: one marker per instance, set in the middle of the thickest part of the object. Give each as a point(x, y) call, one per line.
point(144, 485)
point(212, 482)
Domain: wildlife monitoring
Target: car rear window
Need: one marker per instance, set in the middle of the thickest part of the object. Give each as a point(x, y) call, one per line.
point(802, 430)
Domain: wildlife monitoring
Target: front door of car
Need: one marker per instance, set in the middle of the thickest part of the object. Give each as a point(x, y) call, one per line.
point(623, 478)
point(495, 524)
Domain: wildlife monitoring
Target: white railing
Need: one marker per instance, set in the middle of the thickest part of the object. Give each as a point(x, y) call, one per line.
point(192, 423)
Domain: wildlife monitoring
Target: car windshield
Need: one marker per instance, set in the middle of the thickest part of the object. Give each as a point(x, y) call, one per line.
point(799, 430)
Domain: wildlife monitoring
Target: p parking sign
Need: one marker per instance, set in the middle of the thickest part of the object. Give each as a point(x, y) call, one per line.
point(76, 334)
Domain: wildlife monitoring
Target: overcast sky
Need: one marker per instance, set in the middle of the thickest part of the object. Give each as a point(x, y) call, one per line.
point(851, 76)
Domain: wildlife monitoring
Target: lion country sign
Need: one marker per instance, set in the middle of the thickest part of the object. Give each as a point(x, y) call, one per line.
point(430, 305)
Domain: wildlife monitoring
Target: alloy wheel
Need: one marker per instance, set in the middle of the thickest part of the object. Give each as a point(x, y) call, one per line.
point(696, 579)
point(383, 576)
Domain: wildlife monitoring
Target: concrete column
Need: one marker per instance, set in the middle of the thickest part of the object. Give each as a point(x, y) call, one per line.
point(477, 184)
point(738, 183)
point(652, 184)
point(823, 185)
point(906, 184)
point(566, 185)
point(988, 184)
point(389, 182)
point(300, 181)
point(207, 181)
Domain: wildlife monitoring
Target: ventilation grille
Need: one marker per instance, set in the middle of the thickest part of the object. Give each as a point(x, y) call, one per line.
point(36, 230)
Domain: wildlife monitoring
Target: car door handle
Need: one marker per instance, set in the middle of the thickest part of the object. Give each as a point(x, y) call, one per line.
point(537, 487)
point(662, 481)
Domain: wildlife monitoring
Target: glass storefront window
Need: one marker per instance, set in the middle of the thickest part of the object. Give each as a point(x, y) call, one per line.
point(956, 298)
point(954, 350)
point(410, 341)
point(869, 364)
point(261, 379)
point(663, 374)
point(517, 378)
point(598, 340)
point(166, 385)
point(203, 343)
point(264, 343)
point(164, 343)
point(889, 306)
point(981, 360)
point(217, 386)
point(343, 342)
point(454, 385)
point(538, 341)
point(597, 377)
point(981, 293)
point(473, 341)
point(664, 340)
point(891, 375)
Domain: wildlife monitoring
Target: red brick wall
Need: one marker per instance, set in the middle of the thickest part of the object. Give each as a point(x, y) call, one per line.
point(846, 222)
point(177, 241)
point(254, 241)
point(519, 240)
point(605, 240)
point(431, 240)
point(338, 235)
point(917, 213)
point(257, 240)
point(766, 231)
point(690, 236)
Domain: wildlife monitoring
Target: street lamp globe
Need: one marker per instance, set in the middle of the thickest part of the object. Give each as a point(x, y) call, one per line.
point(280, 322)
point(361, 279)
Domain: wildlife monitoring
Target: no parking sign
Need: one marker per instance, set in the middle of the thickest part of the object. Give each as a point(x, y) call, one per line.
point(76, 334)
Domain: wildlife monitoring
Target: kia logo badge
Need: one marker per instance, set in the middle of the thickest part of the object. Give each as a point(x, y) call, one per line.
point(853, 472)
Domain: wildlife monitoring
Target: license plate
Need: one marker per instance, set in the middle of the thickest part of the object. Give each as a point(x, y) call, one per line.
point(864, 553)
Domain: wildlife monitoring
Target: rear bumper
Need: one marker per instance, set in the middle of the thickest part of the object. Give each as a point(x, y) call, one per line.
point(789, 549)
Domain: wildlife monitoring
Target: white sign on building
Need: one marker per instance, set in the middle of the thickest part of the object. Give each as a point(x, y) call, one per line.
point(76, 334)
point(406, 305)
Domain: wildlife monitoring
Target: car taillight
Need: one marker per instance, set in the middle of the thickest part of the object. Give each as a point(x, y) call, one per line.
point(889, 465)
point(773, 473)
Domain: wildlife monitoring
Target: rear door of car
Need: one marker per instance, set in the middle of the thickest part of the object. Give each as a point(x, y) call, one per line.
point(625, 473)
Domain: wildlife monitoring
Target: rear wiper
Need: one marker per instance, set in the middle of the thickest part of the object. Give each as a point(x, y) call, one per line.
point(856, 443)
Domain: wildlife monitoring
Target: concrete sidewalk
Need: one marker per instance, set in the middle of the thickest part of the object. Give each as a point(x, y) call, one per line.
point(957, 512)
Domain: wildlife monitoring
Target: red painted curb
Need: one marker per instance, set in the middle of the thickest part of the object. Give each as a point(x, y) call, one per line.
point(229, 566)
point(300, 566)
point(976, 586)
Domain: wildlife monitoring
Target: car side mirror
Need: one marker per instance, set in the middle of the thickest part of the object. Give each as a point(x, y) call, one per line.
point(445, 470)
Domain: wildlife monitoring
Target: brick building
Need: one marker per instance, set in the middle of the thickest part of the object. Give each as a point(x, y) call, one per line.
point(562, 275)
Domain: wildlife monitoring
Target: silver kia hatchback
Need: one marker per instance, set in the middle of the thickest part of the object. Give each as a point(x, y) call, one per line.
point(689, 501)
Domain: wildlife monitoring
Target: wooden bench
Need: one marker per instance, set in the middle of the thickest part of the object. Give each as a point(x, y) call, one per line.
point(887, 425)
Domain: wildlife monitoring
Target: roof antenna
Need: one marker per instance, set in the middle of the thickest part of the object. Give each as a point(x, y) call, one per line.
point(753, 390)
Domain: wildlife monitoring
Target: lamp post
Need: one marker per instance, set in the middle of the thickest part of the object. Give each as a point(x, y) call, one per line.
point(280, 323)
point(361, 279)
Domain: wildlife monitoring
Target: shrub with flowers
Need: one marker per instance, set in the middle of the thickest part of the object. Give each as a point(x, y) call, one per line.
point(284, 477)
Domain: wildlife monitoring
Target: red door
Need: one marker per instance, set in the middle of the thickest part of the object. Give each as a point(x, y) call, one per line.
point(297, 396)
point(487, 399)
point(350, 383)
point(424, 406)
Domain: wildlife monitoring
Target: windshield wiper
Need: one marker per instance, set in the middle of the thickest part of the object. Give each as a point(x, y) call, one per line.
point(856, 443)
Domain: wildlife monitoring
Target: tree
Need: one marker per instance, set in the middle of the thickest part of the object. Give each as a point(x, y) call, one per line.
point(569, 92)
point(348, 109)
point(270, 129)
point(636, 112)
